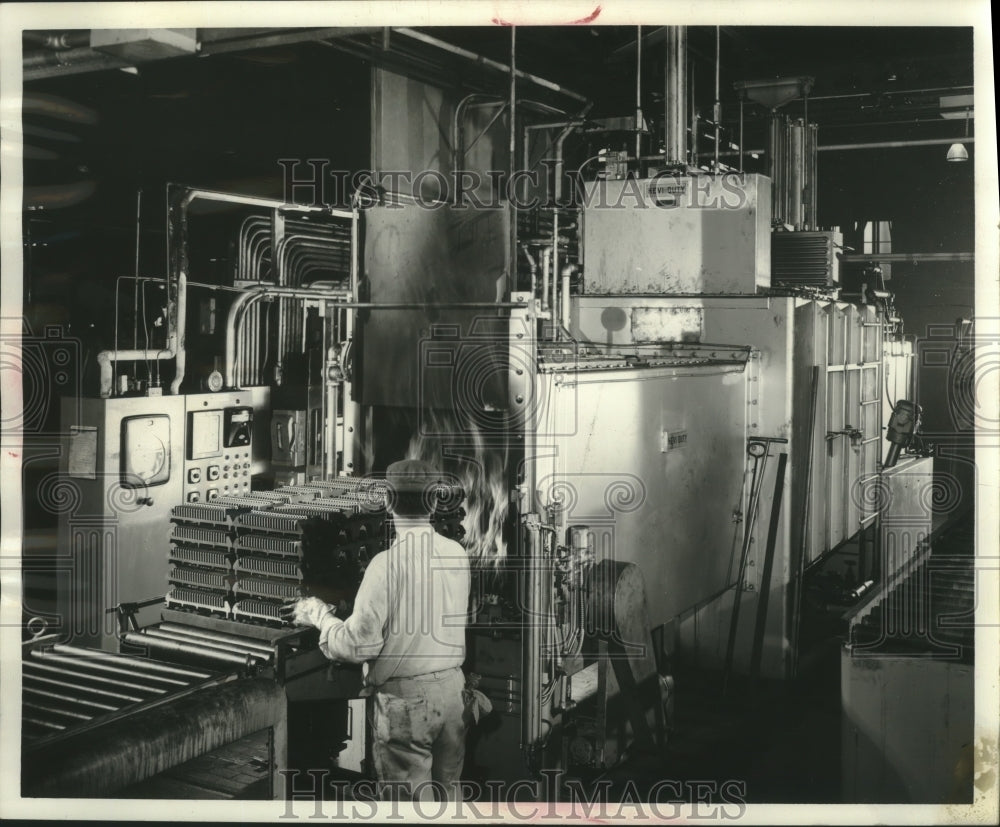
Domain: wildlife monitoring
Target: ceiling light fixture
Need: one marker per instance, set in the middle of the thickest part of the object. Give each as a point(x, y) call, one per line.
point(957, 153)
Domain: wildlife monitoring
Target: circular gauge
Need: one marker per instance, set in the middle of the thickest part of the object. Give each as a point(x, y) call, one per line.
point(757, 449)
point(148, 457)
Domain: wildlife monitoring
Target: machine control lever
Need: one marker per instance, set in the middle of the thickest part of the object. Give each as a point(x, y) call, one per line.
point(854, 433)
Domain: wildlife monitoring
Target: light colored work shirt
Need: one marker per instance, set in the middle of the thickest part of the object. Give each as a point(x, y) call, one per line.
point(411, 609)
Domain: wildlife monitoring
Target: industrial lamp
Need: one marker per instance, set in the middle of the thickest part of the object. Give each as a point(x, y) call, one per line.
point(957, 153)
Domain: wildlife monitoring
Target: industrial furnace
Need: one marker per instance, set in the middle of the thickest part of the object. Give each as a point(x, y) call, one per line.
point(605, 443)
point(653, 439)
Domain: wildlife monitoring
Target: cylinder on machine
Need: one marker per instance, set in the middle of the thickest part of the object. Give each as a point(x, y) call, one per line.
point(172, 648)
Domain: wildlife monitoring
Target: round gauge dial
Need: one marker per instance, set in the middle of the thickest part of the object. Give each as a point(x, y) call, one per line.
point(148, 457)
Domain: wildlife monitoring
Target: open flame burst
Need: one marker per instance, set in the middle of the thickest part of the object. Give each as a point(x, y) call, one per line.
point(481, 470)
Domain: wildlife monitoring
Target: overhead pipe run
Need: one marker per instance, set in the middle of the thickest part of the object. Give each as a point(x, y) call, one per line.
point(342, 300)
point(180, 268)
point(174, 347)
point(492, 64)
point(870, 145)
point(106, 358)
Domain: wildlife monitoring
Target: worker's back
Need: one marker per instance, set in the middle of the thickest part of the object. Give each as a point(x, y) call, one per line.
point(427, 580)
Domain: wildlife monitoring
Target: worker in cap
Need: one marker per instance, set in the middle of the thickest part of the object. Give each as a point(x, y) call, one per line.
point(408, 625)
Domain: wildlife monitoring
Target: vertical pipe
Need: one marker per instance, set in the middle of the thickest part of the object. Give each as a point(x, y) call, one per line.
point(546, 265)
point(525, 157)
point(248, 362)
point(244, 350)
point(693, 143)
point(330, 457)
point(734, 618)
point(114, 363)
point(565, 298)
point(741, 134)
point(675, 97)
point(772, 167)
point(812, 172)
point(281, 278)
point(177, 231)
point(777, 166)
point(254, 344)
point(799, 564)
point(179, 333)
point(765, 576)
point(717, 107)
point(351, 410)
point(553, 303)
point(795, 166)
point(638, 92)
point(531, 643)
point(666, 99)
point(135, 317)
point(512, 148)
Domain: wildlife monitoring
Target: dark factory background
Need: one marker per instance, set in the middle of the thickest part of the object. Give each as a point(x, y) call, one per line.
point(887, 101)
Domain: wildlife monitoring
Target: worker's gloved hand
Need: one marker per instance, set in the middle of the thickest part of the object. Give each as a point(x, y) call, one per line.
point(308, 611)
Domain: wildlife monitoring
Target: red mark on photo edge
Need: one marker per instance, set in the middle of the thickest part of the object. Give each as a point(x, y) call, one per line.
point(590, 18)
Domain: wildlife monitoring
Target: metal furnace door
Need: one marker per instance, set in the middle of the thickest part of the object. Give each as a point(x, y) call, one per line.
point(653, 462)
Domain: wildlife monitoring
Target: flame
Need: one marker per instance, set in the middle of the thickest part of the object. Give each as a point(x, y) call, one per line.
point(481, 470)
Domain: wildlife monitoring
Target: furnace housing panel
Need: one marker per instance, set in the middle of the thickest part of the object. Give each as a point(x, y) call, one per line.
point(445, 255)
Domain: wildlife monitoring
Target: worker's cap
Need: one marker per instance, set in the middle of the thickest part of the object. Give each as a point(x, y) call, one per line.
point(413, 476)
point(441, 491)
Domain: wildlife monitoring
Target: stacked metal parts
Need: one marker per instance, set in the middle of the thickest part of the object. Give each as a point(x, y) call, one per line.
point(240, 558)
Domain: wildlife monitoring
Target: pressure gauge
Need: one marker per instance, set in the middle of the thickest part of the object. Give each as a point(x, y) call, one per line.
point(148, 458)
point(145, 450)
